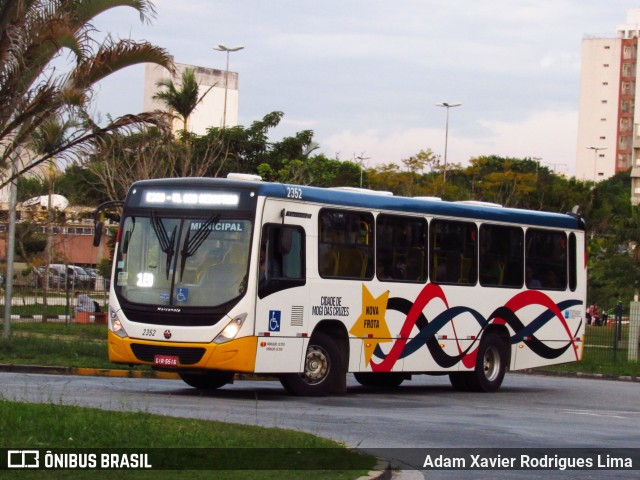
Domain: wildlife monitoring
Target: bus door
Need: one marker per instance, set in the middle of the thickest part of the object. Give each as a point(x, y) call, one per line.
point(282, 297)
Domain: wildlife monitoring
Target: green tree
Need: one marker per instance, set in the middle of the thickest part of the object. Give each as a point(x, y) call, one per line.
point(81, 186)
point(501, 180)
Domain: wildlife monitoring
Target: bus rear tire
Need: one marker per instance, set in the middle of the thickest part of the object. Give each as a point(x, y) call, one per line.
point(208, 380)
point(491, 365)
point(380, 380)
point(322, 369)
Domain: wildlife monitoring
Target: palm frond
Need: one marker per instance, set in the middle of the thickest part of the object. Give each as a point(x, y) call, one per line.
point(87, 10)
point(114, 56)
point(84, 143)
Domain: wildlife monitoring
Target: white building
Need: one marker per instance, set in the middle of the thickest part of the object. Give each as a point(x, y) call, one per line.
point(211, 111)
point(608, 118)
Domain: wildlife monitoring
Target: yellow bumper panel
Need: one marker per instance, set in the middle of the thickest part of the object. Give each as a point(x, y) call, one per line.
point(236, 355)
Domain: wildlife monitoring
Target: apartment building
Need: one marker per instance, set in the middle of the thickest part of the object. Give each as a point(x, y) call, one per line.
point(608, 132)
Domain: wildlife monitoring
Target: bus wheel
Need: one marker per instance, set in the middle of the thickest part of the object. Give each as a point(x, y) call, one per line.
point(380, 380)
point(491, 364)
point(207, 381)
point(322, 369)
point(460, 381)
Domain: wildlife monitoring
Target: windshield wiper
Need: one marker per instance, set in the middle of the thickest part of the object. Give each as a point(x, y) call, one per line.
point(191, 244)
point(166, 243)
point(127, 235)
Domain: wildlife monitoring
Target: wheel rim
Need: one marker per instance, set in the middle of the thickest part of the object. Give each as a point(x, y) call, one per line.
point(491, 363)
point(316, 366)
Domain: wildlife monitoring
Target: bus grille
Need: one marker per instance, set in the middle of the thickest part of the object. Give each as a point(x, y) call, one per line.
point(186, 355)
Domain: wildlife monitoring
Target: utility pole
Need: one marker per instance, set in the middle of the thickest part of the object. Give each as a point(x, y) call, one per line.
point(11, 246)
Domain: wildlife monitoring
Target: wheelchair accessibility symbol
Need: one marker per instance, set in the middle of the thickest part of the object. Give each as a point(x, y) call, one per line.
point(274, 320)
point(182, 294)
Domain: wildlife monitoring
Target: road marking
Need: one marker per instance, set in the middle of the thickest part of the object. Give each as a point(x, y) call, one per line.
point(607, 414)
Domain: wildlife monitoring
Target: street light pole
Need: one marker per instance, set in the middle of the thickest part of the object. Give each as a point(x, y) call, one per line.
point(224, 48)
point(362, 159)
point(595, 158)
point(447, 105)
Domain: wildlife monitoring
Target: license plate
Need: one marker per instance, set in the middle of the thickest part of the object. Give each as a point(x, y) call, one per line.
point(166, 360)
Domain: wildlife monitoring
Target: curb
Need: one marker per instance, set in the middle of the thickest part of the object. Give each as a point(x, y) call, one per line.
point(106, 372)
point(382, 471)
point(39, 318)
point(96, 372)
point(595, 376)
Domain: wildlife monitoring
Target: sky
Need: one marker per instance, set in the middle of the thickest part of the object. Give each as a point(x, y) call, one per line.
point(366, 75)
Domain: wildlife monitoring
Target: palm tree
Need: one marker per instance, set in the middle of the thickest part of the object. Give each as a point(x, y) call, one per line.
point(184, 99)
point(32, 34)
point(50, 136)
point(35, 32)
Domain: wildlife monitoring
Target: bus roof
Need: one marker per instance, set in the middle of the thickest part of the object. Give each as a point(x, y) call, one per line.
point(376, 201)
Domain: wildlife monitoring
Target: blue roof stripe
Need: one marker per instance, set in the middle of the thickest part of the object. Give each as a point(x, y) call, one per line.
point(427, 207)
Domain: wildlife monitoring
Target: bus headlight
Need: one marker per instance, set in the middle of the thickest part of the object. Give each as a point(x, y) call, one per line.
point(118, 329)
point(231, 330)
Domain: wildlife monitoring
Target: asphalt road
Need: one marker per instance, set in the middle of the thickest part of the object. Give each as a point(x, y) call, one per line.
point(529, 412)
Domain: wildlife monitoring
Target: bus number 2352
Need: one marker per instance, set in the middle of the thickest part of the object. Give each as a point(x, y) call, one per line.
point(294, 192)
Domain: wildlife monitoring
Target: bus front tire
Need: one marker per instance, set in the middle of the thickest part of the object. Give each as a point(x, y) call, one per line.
point(208, 380)
point(322, 369)
point(491, 365)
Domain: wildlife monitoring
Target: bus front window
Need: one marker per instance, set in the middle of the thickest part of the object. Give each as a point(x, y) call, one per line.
point(183, 262)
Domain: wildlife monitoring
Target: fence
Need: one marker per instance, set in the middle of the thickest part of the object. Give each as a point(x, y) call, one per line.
point(53, 300)
point(613, 340)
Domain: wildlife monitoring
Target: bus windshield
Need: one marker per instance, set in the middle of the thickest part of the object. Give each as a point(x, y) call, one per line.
point(182, 262)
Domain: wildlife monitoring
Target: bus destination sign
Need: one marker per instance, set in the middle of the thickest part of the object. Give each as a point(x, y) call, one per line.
point(191, 198)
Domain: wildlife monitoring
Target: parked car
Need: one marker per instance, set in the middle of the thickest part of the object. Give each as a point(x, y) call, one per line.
point(100, 282)
point(77, 277)
point(56, 277)
point(82, 277)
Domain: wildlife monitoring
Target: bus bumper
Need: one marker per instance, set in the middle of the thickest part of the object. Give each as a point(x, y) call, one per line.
point(237, 355)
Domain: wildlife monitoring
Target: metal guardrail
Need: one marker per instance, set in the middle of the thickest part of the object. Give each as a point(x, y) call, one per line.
point(32, 297)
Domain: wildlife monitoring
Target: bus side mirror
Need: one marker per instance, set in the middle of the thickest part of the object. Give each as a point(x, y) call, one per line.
point(97, 234)
point(286, 240)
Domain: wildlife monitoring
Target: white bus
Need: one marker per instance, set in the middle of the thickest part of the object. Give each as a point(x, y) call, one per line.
point(213, 277)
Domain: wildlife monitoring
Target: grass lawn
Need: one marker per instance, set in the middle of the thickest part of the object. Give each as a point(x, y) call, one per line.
point(56, 344)
point(176, 443)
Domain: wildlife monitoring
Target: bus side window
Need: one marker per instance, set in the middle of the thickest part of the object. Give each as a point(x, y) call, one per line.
point(282, 259)
point(345, 244)
point(453, 252)
point(501, 256)
point(401, 248)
